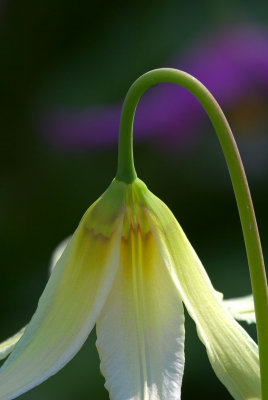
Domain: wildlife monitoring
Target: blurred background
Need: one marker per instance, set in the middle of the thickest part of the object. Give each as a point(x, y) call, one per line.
point(64, 71)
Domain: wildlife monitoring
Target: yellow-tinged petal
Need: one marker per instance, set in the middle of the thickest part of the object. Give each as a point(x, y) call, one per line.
point(241, 308)
point(141, 328)
point(231, 351)
point(71, 301)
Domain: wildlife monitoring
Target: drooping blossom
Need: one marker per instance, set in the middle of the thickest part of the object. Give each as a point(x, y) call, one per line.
point(129, 268)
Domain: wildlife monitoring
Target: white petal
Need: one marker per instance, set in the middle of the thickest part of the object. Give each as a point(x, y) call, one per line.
point(141, 328)
point(67, 310)
point(241, 308)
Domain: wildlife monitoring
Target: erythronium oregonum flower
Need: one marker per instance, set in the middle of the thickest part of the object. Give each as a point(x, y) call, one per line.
point(241, 308)
point(140, 327)
point(128, 268)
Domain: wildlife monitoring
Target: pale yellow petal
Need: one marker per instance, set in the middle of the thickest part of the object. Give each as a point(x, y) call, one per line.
point(7, 346)
point(231, 351)
point(68, 307)
point(141, 328)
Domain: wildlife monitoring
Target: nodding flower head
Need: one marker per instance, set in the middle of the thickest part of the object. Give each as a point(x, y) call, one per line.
point(129, 269)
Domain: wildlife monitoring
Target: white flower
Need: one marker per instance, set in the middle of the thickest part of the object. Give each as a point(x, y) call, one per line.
point(128, 269)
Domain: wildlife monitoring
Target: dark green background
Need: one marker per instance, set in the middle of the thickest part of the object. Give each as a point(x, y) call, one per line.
point(83, 53)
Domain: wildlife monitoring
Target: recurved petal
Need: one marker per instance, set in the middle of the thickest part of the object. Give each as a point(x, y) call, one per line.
point(231, 351)
point(8, 345)
point(140, 330)
point(67, 309)
point(241, 308)
point(57, 253)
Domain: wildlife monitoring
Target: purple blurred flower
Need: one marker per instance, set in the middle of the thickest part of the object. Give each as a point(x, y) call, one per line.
point(232, 64)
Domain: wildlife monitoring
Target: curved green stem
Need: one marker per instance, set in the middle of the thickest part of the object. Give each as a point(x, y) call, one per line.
point(126, 172)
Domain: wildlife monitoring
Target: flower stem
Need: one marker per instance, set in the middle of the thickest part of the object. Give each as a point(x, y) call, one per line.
point(126, 172)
